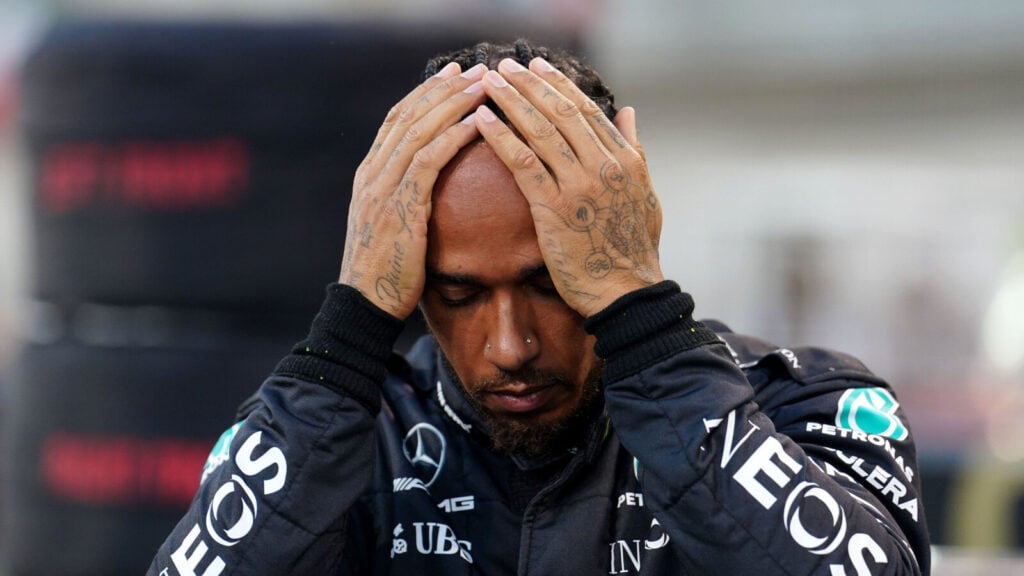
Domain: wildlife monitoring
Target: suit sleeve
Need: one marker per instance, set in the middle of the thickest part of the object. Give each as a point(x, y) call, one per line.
point(275, 499)
point(753, 475)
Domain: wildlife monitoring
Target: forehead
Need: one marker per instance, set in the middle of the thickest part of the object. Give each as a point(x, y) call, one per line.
point(480, 221)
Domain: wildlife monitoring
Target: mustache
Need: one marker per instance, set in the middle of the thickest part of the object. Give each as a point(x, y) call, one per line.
point(531, 377)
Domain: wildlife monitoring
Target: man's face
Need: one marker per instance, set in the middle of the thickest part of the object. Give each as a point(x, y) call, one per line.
point(519, 351)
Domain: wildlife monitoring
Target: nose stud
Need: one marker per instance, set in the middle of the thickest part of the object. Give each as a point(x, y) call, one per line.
point(529, 340)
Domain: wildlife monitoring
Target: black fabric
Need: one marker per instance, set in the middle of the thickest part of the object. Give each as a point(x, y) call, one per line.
point(700, 466)
point(660, 317)
point(347, 346)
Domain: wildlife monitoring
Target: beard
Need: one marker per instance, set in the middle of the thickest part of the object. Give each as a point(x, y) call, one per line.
point(528, 435)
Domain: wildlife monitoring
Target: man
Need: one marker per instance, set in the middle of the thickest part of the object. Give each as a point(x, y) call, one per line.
point(567, 415)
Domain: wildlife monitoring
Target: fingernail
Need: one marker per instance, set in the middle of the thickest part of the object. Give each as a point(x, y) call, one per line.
point(510, 65)
point(469, 119)
point(448, 70)
point(474, 88)
point(475, 72)
point(543, 65)
point(485, 114)
point(495, 79)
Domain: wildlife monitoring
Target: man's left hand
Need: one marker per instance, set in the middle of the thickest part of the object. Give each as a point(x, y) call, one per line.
point(598, 220)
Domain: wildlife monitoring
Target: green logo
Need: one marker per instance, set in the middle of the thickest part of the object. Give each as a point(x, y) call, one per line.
point(221, 452)
point(872, 411)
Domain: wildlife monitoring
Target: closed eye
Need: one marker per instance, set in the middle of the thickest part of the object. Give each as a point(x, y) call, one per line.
point(455, 296)
point(540, 280)
point(453, 290)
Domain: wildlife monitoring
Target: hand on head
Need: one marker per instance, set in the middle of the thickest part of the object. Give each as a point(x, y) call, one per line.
point(385, 243)
point(597, 218)
point(596, 215)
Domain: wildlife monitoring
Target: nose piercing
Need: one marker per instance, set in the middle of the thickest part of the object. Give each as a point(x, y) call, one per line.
point(487, 346)
point(528, 341)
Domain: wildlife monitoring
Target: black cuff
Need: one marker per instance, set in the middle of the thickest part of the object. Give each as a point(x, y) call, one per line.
point(645, 326)
point(347, 347)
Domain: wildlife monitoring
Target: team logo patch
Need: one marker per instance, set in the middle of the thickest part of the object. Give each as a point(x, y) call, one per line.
point(872, 411)
point(221, 452)
point(424, 447)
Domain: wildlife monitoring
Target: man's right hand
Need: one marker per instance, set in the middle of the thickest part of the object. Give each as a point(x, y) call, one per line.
point(386, 241)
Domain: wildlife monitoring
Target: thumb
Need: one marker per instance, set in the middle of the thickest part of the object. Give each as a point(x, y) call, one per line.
point(625, 121)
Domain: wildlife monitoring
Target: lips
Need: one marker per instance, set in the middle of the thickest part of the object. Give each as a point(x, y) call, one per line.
point(524, 399)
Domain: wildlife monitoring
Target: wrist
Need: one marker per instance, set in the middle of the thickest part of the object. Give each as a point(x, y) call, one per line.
point(643, 326)
point(347, 347)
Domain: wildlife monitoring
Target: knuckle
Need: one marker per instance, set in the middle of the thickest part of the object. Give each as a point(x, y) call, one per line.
point(544, 129)
point(634, 161)
point(524, 159)
point(447, 85)
point(566, 109)
point(590, 108)
point(531, 80)
point(422, 160)
point(406, 116)
point(614, 176)
point(413, 135)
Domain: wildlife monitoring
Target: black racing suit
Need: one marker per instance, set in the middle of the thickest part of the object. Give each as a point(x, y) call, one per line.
point(715, 454)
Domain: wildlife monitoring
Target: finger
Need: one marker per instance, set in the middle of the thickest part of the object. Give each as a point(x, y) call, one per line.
point(566, 114)
point(625, 122)
point(386, 242)
point(542, 134)
point(537, 128)
point(431, 125)
point(429, 160)
point(527, 168)
point(605, 130)
point(389, 121)
point(405, 130)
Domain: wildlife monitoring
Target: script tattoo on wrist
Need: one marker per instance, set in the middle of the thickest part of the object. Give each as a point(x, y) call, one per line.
point(389, 284)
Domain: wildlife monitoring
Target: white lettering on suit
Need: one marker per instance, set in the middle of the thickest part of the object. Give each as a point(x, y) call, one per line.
point(191, 553)
point(770, 462)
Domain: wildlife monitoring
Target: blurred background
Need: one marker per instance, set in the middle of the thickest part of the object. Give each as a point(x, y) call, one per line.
point(174, 177)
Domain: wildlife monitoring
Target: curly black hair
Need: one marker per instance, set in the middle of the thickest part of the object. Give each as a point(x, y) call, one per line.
point(523, 51)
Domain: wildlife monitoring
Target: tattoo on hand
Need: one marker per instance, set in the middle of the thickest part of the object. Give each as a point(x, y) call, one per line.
point(364, 239)
point(612, 131)
point(388, 285)
point(404, 208)
point(615, 223)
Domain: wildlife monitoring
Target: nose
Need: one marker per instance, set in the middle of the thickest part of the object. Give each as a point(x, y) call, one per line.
point(511, 339)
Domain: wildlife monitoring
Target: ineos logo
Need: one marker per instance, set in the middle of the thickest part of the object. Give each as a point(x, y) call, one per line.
point(820, 545)
point(424, 447)
point(247, 501)
point(190, 558)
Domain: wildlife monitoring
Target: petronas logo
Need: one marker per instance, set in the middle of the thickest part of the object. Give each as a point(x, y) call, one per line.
point(871, 411)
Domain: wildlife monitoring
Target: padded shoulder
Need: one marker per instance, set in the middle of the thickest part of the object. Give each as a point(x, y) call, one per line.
point(804, 364)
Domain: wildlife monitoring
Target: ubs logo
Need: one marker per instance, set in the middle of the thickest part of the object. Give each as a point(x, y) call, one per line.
point(424, 447)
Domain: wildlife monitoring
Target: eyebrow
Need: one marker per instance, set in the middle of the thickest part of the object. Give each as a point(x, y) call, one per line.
point(526, 274)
